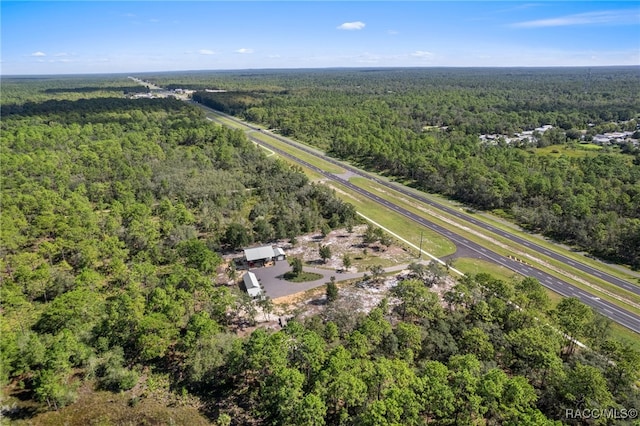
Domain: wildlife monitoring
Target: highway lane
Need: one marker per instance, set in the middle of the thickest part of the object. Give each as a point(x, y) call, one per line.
point(453, 212)
point(606, 308)
point(611, 279)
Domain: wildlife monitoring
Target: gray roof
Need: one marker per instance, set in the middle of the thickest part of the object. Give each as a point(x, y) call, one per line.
point(278, 251)
point(251, 281)
point(259, 253)
point(252, 285)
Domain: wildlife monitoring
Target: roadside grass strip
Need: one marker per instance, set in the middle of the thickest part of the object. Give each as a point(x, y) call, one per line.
point(220, 119)
point(311, 159)
point(507, 248)
point(271, 153)
point(490, 219)
point(273, 139)
point(624, 335)
point(396, 225)
point(417, 248)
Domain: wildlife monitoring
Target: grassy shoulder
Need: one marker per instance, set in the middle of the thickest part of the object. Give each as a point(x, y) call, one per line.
point(473, 266)
point(472, 232)
point(505, 225)
point(311, 159)
point(625, 336)
point(618, 271)
point(432, 242)
point(222, 119)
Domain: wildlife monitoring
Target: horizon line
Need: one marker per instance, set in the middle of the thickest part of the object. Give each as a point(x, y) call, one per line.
point(322, 68)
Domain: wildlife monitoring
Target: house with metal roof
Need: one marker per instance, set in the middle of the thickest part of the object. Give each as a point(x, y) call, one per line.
point(264, 254)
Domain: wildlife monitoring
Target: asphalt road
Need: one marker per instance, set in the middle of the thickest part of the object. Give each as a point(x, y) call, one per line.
point(608, 309)
point(453, 212)
point(611, 279)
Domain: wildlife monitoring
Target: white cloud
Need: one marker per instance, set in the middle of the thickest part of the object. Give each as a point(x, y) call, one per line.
point(357, 25)
point(392, 32)
point(591, 18)
point(154, 20)
point(422, 54)
point(244, 50)
point(206, 52)
point(38, 54)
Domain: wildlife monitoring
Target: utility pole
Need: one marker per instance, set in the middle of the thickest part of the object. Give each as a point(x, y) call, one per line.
point(420, 251)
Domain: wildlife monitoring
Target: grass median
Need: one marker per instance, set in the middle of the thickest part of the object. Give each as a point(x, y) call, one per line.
point(435, 243)
point(505, 225)
point(302, 155)
point(598, 287)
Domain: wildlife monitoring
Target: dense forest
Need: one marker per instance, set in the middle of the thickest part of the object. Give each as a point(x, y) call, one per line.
point(422, 127)
point(115, 216)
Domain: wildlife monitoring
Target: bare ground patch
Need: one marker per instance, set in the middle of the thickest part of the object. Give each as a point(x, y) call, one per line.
point(342, 242)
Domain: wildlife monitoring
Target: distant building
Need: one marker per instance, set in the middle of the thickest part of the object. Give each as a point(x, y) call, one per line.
point(252, 285)
point(601, 140)
point(544, 128)
point(262, 255)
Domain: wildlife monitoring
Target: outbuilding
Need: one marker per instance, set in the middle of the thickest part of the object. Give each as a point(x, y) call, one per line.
point(278, 254)
point(252, 285)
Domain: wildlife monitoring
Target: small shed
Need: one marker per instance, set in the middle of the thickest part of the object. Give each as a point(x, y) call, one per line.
point(252, 285)
point(278, 254)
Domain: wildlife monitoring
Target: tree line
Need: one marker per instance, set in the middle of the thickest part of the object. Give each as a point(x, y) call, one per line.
point(422, 126)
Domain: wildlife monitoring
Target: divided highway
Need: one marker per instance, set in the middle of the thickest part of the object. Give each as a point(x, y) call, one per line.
point(453, 212)
point(608, 309)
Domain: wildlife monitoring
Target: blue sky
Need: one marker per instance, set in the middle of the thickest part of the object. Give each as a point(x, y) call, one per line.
point(44, 37)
